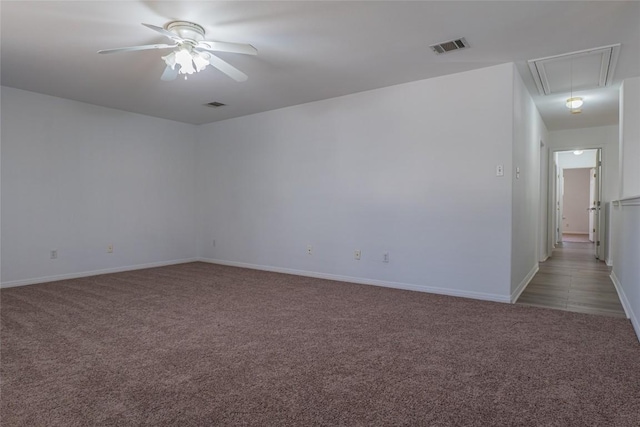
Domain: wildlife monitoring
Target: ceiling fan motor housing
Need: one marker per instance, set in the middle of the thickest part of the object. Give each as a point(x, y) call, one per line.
point(188, 31)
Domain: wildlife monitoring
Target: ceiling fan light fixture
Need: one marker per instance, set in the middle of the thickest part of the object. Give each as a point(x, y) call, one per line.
point(200, 61)
point(193, 53)
point(184, 58)
point(170, 60)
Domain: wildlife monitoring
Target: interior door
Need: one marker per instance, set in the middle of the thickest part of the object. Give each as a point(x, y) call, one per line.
point(592, 204)
point(597, 218)
point(559, 206)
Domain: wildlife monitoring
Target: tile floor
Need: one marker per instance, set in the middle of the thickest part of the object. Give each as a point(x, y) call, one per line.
point(573, 280)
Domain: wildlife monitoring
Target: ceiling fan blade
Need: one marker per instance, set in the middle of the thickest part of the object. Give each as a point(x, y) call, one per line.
point(170, 73)
point(227, 68)
point(211, 46)
point(134, 48)
point(166, 33)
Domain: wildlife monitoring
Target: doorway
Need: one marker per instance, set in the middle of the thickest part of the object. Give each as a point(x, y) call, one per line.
point(577, 188)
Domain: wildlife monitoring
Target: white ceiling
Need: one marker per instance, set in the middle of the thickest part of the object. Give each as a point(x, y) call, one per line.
point(307, 50)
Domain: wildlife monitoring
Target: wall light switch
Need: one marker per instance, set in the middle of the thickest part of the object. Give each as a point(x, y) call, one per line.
point(500, 170)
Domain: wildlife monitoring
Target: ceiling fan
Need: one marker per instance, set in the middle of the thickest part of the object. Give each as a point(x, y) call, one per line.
point(193, 53)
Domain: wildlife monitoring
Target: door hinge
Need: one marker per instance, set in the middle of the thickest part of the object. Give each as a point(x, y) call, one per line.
point(594, 230)
point(598, 244)
point(598, 202)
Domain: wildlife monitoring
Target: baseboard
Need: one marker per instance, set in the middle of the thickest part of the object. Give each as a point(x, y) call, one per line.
point(46, 279)
point(516, 294)
point(625, 304)
point(609, 262)
point(364, 281)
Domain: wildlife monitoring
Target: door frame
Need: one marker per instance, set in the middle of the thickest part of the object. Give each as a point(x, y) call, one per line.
point(552, 197)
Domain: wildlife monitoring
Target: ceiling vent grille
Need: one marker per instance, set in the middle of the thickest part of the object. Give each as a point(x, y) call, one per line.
point(450, 46)
point(215, 104)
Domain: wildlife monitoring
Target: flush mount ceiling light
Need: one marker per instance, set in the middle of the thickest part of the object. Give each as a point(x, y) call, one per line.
point(574, 103)
point(193, 53)
point(578, 152)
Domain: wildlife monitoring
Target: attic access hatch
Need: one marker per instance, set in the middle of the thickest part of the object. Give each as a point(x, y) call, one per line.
point(585, 69)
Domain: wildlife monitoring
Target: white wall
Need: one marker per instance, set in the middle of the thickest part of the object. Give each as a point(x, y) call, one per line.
point(630, 138)
point(626, 213)
point(409, 169)
point(77, 177)
point(568, 160)
point(528, 131)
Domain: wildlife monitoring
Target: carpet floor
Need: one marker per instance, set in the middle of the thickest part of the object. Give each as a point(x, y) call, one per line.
point(204, 345)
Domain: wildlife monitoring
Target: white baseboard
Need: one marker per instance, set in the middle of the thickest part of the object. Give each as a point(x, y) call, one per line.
point(46, 279)
point(364, 281)
point(609, 262)
point(625, 304)
point(516, 293)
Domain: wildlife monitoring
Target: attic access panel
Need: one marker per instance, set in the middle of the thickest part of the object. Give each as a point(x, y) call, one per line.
point(585, 69)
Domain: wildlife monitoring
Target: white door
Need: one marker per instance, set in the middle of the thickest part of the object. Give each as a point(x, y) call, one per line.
point(592, 204)
point(597, 218)
point(559, 204)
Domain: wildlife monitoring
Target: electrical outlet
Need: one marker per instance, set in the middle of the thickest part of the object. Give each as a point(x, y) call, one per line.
point(54, 254)
point(109, 249)
point(385, 257)
point(356, 254)
point(309, 250)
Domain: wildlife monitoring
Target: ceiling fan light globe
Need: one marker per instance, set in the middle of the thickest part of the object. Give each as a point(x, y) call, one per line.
point(185, 60)
point(200, 61)
point(170, 60)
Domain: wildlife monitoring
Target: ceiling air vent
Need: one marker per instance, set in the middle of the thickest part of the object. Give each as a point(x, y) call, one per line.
point(450, 46)
point(215, 104)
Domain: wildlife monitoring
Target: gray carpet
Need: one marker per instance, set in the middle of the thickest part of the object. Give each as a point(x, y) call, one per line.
point(201, 345)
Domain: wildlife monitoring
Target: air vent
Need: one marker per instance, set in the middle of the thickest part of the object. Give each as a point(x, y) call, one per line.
point(450, 46)
point(215, 104)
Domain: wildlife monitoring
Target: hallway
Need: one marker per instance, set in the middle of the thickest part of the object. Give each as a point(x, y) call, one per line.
point(573, 280)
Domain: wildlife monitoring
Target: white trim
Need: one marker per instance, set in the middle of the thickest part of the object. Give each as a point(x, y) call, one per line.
point(625, 304)
point(627, 201)
point(516, 294)
point(46, 279)
point(364, 281)
point(609, 262)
